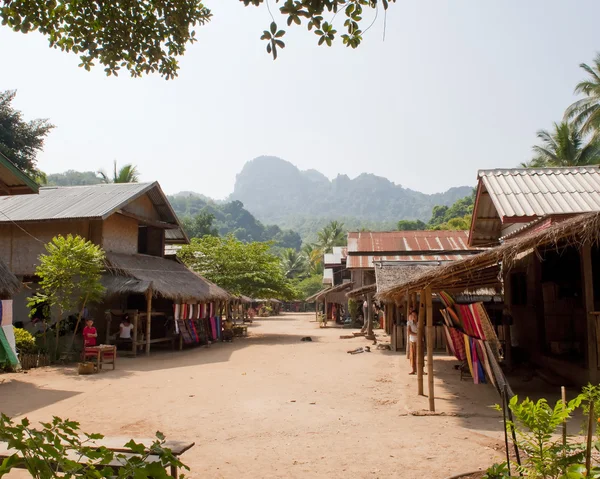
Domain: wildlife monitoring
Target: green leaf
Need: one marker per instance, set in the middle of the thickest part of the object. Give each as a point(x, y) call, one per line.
point(273, 28)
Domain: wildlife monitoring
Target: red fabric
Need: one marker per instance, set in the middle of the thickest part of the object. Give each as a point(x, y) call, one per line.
point(87, 339)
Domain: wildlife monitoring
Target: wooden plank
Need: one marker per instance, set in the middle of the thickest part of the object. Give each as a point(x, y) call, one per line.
point(117, 444)
point(407, 308)
point(430, 339)
point(588, 296)
point(148, 318)
point(505, 320)
point(134, 339)
point(420, 337)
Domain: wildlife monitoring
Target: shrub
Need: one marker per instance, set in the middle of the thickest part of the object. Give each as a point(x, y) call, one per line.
point(49, 453)
point(24, 341)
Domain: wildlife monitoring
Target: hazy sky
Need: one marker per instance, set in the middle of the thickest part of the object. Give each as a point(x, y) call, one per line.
point(456, 86)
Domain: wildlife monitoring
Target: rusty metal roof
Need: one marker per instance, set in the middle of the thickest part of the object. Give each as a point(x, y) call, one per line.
point(414, 246)
point(87, 202)
point(532, 192)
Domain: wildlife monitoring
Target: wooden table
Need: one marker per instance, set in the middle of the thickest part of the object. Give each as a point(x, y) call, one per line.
point(117, 445)
point(104, 354)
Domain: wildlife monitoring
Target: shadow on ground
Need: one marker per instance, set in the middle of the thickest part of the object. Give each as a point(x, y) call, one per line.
point(18, 398)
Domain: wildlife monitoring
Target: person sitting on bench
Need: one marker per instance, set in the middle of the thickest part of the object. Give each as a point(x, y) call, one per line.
point(228, 330)
point(125, 329)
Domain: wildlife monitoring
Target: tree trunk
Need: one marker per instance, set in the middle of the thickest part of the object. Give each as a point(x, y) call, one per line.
point(57, 325)
point(79, 316)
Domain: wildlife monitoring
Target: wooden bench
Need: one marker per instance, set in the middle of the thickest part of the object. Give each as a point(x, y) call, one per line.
point(240, 330)
point(117, 445)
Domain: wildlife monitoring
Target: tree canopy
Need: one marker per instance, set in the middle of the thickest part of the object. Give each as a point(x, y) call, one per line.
point(241, 268)
point(147, 36)
point(20, 140)
point(333, 234)
point(585, 113)
point(564, 146)
point(126, 174)
point(70, 275)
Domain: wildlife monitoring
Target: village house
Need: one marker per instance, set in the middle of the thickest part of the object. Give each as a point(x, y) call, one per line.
point(12, 182)
point(132, 223)
point(547, 226)
point(377, 260)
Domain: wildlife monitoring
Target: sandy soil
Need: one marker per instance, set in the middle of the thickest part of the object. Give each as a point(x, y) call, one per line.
point(272, 406)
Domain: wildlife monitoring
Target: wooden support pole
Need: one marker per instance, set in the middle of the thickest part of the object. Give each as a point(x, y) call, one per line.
point(108, 318)
point(429, 311)
point(134, 339)
point(370, 334)
point(588, 295)
point(148, 318)
point(407, 308)
point(420, 352)
point(505, 320)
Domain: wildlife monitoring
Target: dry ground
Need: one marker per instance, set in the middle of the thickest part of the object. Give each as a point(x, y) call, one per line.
point(272, 406)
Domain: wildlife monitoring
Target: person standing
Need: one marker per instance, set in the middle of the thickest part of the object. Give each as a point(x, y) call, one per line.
point(412, 329)
point(89, 334)
point(365, 315)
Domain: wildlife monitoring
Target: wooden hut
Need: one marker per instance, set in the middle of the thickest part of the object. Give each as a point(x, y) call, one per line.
point(134, 279)
point(133, 223)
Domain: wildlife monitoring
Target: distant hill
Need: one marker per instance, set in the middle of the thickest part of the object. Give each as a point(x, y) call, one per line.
point(276, 191)
point(73, 178)
point(232, 217)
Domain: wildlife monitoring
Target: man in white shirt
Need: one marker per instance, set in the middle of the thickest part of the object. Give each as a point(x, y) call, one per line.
point(412, 329)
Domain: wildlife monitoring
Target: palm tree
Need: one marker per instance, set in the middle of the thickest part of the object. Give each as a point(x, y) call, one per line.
point(564, 146)
point(331, 235)
point(314, 258)
point(126, 174)
point(293, 263)
point(585, 113)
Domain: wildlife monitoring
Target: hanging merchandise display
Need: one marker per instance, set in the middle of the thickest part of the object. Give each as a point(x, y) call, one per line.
point(472, 339)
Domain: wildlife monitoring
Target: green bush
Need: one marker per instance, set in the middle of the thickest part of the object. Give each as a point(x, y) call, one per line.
point(25, 341)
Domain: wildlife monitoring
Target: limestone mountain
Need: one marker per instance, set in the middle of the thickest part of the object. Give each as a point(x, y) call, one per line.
point(276, 191)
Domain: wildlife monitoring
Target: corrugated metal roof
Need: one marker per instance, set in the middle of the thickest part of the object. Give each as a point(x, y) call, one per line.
point(534, 192)
point(336, 257)
point(399, 241)
point(368, 261)
point(15, 182)
point(445, 245)
point(86, 202)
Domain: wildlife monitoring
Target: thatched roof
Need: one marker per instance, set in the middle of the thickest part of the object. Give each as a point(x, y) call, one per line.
point(483, 269)
point(9, 284)
point(136, 273)
point(363, 290)
point(336, 289)
point(313, 298)
point(245, 299)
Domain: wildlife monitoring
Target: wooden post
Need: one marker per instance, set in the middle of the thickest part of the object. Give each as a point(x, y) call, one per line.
point(588, 295)
point(148, 318)
point(370, 334)
point(134, 341)
point(506, 325)
point(420, 352)
point(429, 311)
point(407, 307)
point(108, 318)
point(538, 302)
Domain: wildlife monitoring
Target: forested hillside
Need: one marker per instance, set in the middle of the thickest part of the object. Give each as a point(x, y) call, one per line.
point(195, 211)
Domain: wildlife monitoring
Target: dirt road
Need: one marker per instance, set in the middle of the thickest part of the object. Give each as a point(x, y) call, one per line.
point(271, 406)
